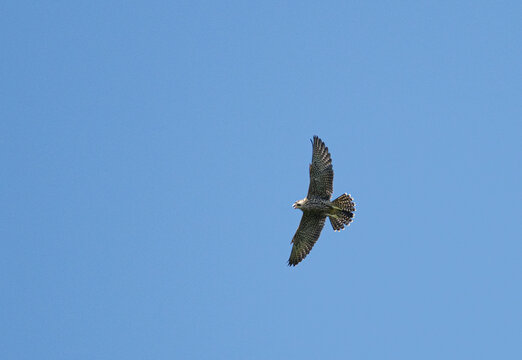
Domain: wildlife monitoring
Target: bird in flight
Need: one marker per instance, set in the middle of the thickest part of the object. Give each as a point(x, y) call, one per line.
point(316, 206)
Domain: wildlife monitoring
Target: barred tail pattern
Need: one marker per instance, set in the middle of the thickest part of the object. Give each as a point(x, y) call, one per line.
point(343, 214)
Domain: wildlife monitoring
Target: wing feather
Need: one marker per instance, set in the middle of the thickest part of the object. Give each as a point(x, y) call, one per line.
point(306, 236)
point(321, 171)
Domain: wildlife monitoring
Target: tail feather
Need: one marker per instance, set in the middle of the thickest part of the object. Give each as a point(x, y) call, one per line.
point(343, 212)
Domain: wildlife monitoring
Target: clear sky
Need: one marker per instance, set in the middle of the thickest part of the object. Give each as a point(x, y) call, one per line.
point(151, 151)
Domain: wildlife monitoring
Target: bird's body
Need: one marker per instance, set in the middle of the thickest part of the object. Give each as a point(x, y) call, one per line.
point(317, 205)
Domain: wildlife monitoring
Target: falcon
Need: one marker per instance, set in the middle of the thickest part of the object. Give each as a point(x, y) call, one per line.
point(316, 206)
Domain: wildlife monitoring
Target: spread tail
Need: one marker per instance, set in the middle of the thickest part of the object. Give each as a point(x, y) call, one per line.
point(342, 214)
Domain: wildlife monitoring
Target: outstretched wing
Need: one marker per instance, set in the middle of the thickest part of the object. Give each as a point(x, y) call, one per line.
point(305, 237)
point(321, 171)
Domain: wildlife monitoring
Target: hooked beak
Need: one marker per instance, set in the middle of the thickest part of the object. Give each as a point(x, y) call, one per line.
point(294, 205)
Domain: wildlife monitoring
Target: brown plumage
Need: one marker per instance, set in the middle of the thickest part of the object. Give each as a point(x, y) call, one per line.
point(317, 205)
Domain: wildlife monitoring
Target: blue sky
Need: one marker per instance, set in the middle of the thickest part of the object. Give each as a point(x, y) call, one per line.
point(151, 152)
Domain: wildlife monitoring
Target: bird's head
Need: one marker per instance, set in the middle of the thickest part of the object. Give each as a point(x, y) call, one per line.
point(298, 204)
